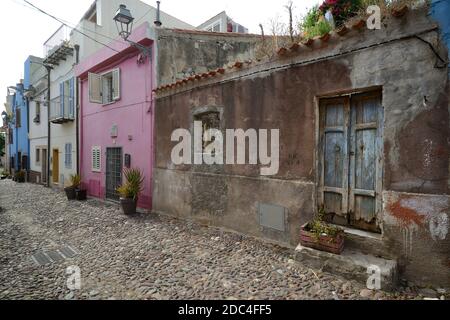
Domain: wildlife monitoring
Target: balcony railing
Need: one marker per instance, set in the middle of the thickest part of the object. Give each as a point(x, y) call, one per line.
point(59, 37)
point(62, 109)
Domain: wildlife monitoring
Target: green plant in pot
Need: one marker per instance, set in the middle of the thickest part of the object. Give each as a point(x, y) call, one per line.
point(20, 176)
point(75, 181)
point(129, 192)
point(317, 234)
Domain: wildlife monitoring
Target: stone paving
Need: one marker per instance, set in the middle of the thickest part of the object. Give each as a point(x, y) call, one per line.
point(144, 257)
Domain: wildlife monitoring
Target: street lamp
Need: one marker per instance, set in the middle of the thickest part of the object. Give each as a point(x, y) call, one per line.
point(124, 23)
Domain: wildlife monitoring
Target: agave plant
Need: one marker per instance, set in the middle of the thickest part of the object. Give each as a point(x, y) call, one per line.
point(75, 181)
point(134, 185)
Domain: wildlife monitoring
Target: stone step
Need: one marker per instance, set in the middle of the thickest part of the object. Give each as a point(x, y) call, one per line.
point(351, 264)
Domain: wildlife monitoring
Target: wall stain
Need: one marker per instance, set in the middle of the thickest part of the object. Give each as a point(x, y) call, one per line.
point(406, 216)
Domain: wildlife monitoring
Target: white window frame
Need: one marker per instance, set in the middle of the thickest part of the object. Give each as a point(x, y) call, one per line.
point(97, 82)
point(96, 159)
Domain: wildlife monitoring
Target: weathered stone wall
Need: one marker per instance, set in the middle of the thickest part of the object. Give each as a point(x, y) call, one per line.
point(182, 53)
point(283, 94)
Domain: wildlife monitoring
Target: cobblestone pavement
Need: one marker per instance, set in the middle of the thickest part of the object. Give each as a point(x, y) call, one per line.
point(144, 257)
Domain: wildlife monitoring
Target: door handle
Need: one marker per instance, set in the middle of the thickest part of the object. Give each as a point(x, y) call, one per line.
point(352, 153)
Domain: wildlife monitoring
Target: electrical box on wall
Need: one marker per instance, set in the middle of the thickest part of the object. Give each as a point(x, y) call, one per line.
point(128, 161)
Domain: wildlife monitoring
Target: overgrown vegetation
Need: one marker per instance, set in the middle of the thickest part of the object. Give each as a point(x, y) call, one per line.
point(314, 24)
point(285, 31)
point(321, 229)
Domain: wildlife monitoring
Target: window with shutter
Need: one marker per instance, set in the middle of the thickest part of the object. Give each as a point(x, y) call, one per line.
point(116, 84)
point(95, 88)
point(72, 98)
point(96, 159)
point(68, 156)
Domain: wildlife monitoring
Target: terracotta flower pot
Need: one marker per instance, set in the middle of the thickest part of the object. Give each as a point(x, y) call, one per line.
point(342, 30)
point(323, 243)
point(129, 206)
point(70, 193)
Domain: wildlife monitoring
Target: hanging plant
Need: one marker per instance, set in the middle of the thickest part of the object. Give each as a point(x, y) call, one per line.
point(342, 10)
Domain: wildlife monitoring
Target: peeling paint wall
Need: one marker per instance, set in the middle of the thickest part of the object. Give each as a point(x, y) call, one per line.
point(283, 95)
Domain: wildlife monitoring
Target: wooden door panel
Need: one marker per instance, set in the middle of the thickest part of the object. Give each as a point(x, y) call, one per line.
point(365, 140)
point(334, 160)
point(365, 159)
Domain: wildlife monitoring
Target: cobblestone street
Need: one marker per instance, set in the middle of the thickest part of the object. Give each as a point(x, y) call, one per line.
point(144, 257)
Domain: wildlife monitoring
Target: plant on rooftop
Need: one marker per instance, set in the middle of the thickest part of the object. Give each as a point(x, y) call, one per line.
point(342, 10)
point(314, 24)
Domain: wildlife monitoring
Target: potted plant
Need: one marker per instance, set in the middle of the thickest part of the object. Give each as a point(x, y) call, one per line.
point(80, 193)
point(5, 175)
point(319, 235)
point(20, 176)
point(129, 192)
point(75, 181)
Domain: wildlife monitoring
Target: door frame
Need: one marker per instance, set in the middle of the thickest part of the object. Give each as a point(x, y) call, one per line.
point(317, 150)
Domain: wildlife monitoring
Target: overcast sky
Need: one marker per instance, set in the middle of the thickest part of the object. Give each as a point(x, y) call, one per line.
point(24, 30)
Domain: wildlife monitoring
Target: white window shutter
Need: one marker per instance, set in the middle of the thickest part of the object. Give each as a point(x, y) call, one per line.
point(96, 159)
point(95, 88)
point(116, 84)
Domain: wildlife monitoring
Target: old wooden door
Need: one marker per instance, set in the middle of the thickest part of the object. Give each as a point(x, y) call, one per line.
point(55, 161)
point(350, 155)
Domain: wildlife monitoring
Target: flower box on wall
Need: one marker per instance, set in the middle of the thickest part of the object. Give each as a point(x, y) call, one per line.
point(325, 243)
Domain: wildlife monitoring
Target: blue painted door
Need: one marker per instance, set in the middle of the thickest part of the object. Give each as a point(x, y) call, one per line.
point(351, 160)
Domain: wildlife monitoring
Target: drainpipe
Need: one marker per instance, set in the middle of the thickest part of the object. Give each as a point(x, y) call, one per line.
point(28, 140)
point(48, 125)
point(77, 103)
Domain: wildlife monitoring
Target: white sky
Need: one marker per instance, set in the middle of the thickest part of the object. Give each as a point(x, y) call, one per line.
point(24, 30)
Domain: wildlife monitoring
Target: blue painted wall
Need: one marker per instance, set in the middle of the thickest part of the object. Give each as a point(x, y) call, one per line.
point(20, 133)
point(440, 11)
point(21, 143)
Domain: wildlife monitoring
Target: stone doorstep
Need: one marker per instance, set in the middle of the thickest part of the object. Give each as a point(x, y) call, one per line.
point(351, 264)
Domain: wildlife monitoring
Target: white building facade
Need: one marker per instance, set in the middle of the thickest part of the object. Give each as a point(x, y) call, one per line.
point(38, 121)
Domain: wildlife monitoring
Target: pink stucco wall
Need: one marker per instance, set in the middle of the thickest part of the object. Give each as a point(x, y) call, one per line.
point(132, 115)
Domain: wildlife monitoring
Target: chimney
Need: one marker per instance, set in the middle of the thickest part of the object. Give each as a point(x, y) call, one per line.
point(158, 22)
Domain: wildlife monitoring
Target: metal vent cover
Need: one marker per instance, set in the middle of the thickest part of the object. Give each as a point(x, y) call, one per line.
point(272, 216)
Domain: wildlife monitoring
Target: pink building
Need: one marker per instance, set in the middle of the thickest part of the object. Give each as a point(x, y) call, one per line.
point(116, 118)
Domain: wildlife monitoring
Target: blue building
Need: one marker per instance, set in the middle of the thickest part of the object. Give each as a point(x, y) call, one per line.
point(19, 143)
point(18, 124)
point(440, 10)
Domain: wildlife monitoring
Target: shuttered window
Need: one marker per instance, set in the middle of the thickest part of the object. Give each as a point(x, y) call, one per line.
point(18, 118)
point(105, 88)
point(96, 159)
point(68, 156)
